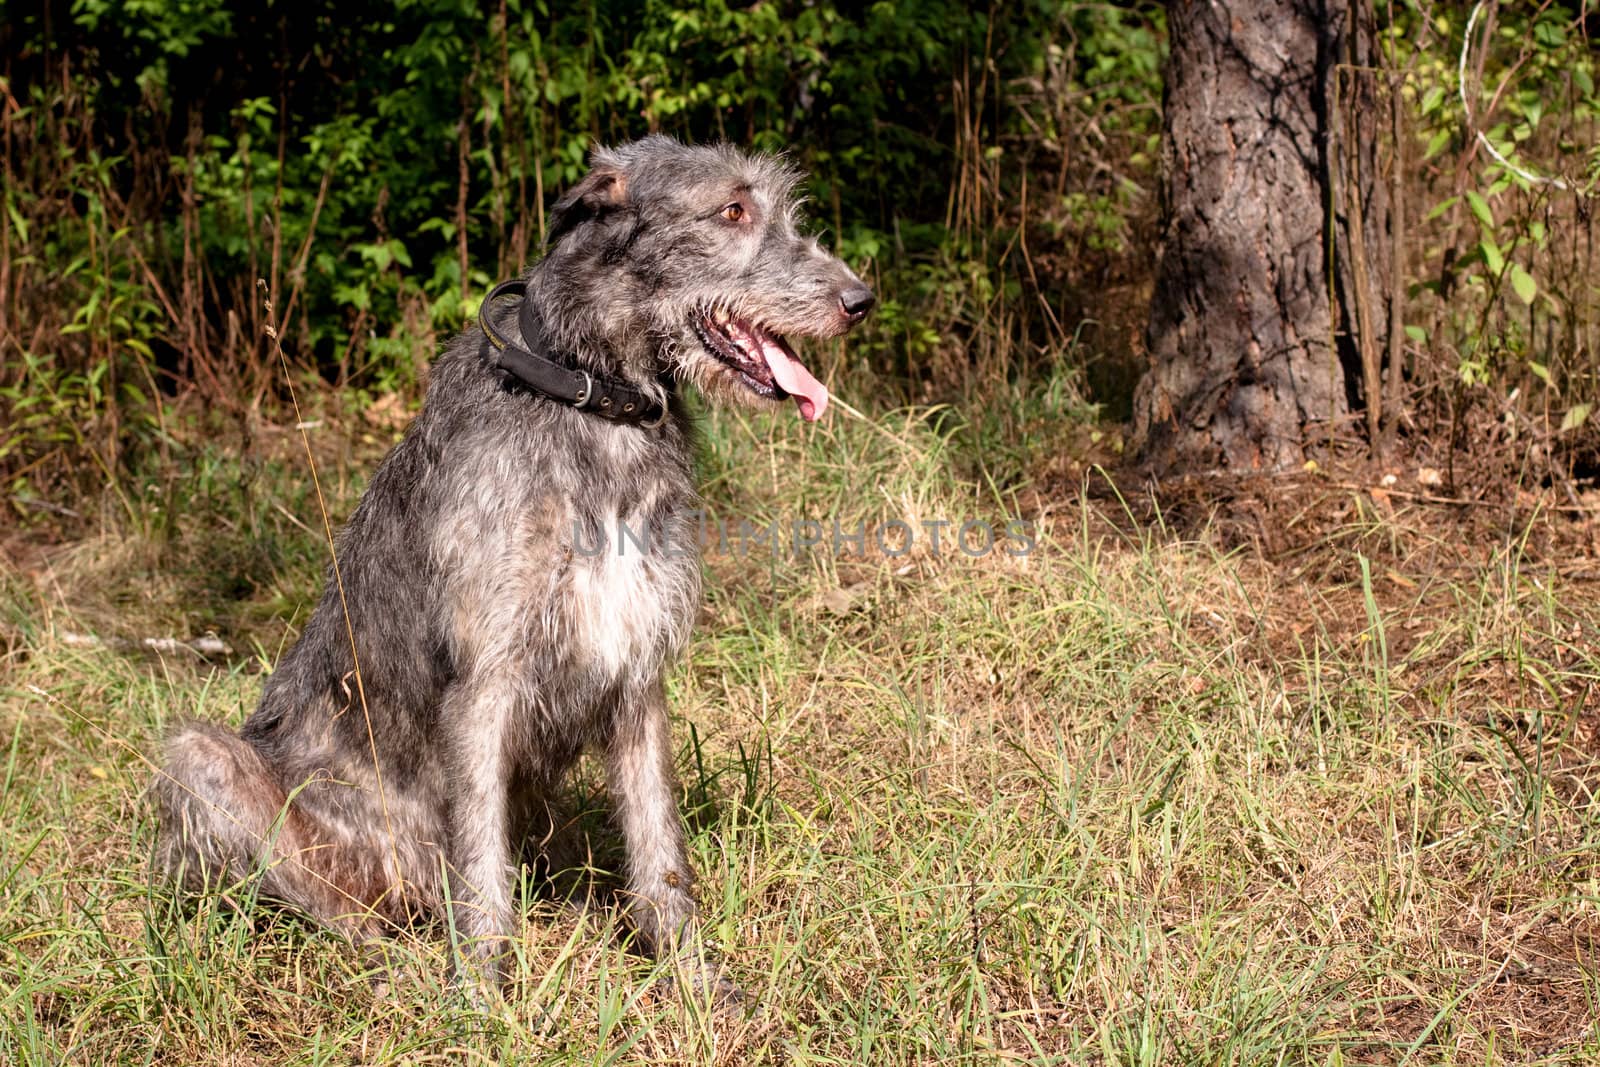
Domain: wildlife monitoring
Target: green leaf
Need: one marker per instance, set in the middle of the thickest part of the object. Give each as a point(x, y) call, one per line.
point(1540, 371)
point(1523, 283)
point(1441, 207)
point(1480, 208)
point(1417, 334)
point(1576, 416)
point(1492, 257)
point(17, 220)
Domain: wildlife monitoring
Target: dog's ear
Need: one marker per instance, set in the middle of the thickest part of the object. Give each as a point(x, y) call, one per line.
point(603, 189)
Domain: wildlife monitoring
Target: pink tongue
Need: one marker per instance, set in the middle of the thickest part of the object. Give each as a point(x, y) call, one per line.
point(792, 378)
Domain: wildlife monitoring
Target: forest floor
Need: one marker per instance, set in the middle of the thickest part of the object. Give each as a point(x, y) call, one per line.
point(1294, 770)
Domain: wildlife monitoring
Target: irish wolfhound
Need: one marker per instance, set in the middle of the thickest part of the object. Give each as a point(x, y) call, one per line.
point(463, 653)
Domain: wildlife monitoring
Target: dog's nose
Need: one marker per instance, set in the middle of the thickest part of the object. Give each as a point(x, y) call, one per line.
point(856, 301)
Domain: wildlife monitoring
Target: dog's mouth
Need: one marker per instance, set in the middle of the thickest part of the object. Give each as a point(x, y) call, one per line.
point(763, 361)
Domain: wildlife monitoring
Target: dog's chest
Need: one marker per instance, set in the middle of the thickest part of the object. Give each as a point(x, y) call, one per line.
point(630, 596)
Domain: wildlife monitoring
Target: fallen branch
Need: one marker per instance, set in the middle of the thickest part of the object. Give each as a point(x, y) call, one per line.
point(204, 646)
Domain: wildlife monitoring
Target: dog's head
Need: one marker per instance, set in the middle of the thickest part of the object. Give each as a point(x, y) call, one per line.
point(688, 260)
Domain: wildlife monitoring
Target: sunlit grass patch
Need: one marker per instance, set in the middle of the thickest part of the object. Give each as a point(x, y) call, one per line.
point(1127, 797)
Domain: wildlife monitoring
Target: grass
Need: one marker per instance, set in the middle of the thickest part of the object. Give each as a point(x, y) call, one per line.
point(1132, 798)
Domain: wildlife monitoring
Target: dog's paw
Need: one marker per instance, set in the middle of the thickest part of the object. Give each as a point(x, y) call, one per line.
point(479, 985)
point(477, 996)
point(387, 978)
point(706, 985)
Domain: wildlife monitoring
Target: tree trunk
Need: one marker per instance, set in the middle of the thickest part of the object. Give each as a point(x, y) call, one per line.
point(1265, 328)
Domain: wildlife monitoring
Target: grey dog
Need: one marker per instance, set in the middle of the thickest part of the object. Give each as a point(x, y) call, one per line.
point(469, 645)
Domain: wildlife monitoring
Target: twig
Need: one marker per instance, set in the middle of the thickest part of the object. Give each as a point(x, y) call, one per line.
point(206, 645)
point(1458, 501)
point(338, 580)
point(298, 271)
point(1461, 79)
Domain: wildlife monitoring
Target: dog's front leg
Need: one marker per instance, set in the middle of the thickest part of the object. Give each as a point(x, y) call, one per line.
point(660, 888)
point(474, 717)
point(639, 765)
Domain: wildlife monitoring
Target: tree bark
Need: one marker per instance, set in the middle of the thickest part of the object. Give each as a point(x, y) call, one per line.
point(1267, 324)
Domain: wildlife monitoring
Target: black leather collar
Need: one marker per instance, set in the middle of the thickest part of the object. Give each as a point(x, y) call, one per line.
point(595, 394)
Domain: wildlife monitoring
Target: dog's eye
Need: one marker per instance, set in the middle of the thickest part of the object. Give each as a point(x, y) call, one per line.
point(733, 212)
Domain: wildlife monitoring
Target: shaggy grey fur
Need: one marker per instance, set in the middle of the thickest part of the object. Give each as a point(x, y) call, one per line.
point(490, 652)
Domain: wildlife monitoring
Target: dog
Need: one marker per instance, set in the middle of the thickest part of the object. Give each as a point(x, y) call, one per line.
point(464, 653)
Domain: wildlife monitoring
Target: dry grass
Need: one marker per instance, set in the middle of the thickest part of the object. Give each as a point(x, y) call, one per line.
point(1131, 799)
